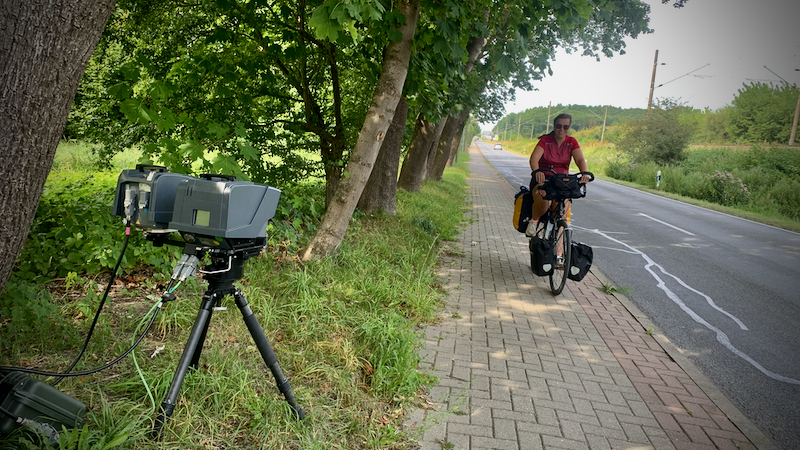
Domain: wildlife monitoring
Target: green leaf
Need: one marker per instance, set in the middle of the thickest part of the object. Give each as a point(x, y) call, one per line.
point(247, 151)
point(217, 129)
point(395, 35)
point(130, 71)
point(121, 91)
point(160, 90)
point(191, 149)
point(323, 26)
point(134, 111)
point(227, 165)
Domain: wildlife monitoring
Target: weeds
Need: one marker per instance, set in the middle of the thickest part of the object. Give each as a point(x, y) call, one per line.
point(610, 289)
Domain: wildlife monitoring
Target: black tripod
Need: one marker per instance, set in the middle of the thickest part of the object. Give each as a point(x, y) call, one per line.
point(223, 271)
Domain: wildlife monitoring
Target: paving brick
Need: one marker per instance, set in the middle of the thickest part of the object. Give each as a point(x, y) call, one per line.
point(534, 371)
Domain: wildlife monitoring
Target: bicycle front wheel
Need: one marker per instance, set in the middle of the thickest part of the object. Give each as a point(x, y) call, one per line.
point(562, 245)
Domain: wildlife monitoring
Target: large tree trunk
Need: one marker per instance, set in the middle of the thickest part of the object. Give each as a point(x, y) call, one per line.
point(379, 116)
point(433, 148)
point(44, 48)
point(380, 193)
point(443, 148)
point(415, 163)
point(462, 120)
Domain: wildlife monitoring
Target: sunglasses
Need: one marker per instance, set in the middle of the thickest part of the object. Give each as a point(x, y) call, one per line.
point(559, 126)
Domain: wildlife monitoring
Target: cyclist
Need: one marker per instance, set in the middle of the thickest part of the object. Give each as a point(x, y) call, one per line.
point(554, 149)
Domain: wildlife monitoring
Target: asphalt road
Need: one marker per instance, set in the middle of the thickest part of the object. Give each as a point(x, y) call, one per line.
point(724, 290)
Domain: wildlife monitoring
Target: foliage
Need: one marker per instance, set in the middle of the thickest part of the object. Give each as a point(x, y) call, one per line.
point(763, 113)
point(724, 189)
point(230, 87)
point(757, 180)
point(660, 137)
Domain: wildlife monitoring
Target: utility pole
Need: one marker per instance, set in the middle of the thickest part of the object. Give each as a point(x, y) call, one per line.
point(796, 110)
point(548, 117)
point(603, 133)
point(652, 84)
point(794, 124)
point(519, 124)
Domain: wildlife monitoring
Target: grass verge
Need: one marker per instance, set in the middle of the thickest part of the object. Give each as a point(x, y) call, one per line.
point(346, 331)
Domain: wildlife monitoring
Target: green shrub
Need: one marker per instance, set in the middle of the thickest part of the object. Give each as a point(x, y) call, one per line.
point(724, 189)
point(660, 137)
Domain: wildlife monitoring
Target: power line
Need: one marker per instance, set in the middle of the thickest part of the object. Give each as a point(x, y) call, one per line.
point(688, 73)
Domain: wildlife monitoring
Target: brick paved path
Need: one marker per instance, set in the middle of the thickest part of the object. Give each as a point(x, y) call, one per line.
point(521, 369)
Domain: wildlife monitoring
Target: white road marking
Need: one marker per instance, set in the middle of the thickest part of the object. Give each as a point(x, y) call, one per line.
point(722, 338)
point(665, 223)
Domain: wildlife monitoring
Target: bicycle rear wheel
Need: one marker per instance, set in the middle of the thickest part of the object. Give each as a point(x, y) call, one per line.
point(562, 246)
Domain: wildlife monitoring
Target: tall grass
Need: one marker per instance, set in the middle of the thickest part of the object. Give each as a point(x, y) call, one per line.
point(346, 330)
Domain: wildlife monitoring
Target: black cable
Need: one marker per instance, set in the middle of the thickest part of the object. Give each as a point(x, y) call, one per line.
point(91, 331)
point(99, 308)
point(89, 372)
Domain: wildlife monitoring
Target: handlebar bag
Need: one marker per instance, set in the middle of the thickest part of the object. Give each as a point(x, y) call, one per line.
point(580, 259)
point(542, 258)
point(563, 186)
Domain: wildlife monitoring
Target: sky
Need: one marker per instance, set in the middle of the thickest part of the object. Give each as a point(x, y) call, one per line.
point(729, 41)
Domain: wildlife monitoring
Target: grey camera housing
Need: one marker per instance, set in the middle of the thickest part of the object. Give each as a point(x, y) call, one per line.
point(215, 206)
point(226, 209)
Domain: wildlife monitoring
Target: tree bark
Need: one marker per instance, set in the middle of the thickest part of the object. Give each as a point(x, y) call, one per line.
point(380, 193)
point(443, 148)
point(462, 120)
point(415, 163)
point(385, 98)
point(433, 148)
point(44, 48)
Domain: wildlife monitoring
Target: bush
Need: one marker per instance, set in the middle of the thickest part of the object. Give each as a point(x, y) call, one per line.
point(724, 189)
point(660, 137)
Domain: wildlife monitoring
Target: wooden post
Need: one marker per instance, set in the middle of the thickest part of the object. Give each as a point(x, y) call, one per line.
point(603, 133)
point(794, 124)
point(548, 117)
point(652, 84)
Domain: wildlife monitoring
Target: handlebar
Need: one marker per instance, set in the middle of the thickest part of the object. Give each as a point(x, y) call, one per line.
point(553, 172)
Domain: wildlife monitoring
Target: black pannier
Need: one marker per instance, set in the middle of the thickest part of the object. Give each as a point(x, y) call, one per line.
point(541, 256)
point(580, 261)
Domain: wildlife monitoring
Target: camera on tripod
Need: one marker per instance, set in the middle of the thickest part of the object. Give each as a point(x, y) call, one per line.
point(216, 215)
point(216, 212)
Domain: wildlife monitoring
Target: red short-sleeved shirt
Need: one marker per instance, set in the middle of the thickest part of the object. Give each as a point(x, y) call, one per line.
point(556, 155)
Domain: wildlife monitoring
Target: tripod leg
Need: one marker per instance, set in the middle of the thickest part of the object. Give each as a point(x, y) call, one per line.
point(266, 352)
point(195, 361)
point(190, 351)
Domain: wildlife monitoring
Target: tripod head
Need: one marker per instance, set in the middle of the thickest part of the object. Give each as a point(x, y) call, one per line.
point(226, 266)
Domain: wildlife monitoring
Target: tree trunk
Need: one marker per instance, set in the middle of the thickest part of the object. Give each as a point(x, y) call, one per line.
point(433, 148)
point(379, 116)
point(415, 162)
point(443, 148)
point(459, 134)
point(44, 48)
point(380, 193)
